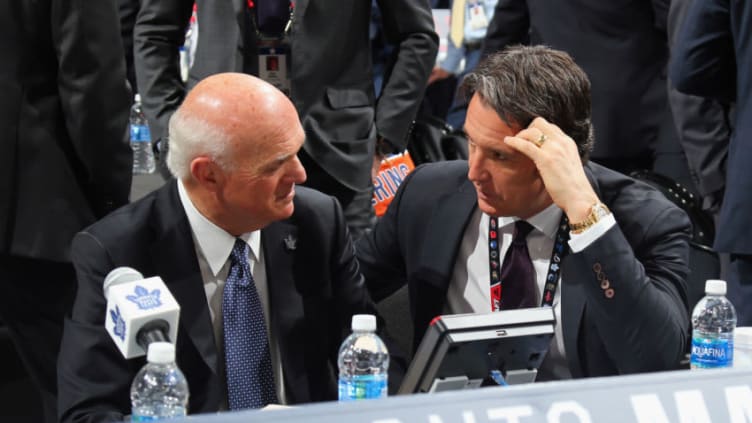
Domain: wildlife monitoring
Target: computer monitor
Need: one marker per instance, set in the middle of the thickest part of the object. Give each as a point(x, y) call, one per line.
point(461, 351)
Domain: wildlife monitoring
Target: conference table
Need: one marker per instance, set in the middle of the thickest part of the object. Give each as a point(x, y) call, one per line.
point(723, 395)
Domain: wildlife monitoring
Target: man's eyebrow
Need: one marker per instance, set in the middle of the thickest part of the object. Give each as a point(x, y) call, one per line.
point(276, 161)
point(283, 157)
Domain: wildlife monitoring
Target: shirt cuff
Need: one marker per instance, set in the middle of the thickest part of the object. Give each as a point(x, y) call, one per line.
point(578, 242)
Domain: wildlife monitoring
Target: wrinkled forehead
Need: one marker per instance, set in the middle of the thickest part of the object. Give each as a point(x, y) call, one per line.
point(260, 148)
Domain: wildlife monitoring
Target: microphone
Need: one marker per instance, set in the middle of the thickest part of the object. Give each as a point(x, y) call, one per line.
point(139, 311)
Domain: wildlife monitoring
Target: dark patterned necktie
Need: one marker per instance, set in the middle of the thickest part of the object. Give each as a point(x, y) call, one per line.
point(250, 380)
point(517, 272)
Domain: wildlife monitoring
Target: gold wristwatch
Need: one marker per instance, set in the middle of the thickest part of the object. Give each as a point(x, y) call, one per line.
point(597, 212)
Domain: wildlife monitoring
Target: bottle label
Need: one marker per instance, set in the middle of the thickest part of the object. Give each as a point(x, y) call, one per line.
point(711, 352)
point(140, 133)
point(157, 414)
point(362, 387)
point(135, 418)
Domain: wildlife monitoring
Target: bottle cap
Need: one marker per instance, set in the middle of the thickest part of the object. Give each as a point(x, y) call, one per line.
point(743, 336)
point(364, 322)
point(715, 287)
point(137, 98)
point(161, 353)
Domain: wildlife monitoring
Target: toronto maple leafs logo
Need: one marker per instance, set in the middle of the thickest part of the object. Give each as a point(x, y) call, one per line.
point(144, 299)
point(118, 323)
point(291, 243)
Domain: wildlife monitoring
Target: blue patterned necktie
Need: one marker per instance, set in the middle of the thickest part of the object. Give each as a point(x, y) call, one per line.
point(250, 380)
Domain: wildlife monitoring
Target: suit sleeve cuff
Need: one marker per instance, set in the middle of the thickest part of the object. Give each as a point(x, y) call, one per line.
point(578, 242)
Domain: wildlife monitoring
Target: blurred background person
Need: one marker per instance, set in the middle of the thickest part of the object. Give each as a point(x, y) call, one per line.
point(317, 52)
point(703, 126)
point(64, 159)
point(467, 28)
point(622, 46)
point(127, 12)
point(711, 58)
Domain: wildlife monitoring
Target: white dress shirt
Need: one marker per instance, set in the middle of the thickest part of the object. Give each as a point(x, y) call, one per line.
point(213, 247)
point(469, 288)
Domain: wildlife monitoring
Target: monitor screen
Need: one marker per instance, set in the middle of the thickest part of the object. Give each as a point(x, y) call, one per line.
point(461, 351)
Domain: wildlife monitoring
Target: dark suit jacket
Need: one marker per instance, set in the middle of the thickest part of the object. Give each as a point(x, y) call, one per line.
point(621, 45)
point(64, 154)
point(643, 327)
point(703, 126)
point(314, 291)
point(331, 76)
point(712, 57)
point(127, 11)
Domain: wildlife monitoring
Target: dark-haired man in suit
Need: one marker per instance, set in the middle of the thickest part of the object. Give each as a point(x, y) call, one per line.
point(527, 221)
point(241, 247)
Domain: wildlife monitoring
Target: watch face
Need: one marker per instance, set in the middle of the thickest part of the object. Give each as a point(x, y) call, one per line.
point(600, 210)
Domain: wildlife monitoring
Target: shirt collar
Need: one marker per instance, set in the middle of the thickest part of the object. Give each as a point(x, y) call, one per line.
point(546, 221)
point(214, 242)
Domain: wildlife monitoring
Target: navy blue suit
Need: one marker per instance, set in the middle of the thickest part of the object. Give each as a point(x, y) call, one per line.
point(712, 58)
point(641, 328)
point(621, 45)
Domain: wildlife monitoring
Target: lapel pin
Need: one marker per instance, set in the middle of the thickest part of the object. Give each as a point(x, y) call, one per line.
point(291, 243)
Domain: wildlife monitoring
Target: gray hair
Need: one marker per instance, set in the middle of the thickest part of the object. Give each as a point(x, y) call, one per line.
point(192, 136)
point(521, 83)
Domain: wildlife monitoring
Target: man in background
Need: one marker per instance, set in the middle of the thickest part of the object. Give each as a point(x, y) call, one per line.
point(322, 50)
point(64, 162)
point(623, 48)
point(712, 57)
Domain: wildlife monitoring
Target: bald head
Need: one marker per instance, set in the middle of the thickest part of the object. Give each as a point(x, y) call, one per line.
point(222, 113)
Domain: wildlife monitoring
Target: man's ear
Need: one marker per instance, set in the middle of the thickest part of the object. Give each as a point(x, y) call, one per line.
point(207, 173)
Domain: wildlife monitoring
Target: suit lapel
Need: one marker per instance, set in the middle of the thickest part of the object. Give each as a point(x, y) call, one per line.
point(446, 229)
point(174, 256)
point(286, 307)
point(430, 280)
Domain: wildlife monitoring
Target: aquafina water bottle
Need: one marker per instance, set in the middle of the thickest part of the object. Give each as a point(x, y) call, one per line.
point(143, 155)
point(159, 390)
point(363, 362)
point(713, 323)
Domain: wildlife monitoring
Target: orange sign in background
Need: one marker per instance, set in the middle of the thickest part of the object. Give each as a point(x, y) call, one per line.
point(392, 172)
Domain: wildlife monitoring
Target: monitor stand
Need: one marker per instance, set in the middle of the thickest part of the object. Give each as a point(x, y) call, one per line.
point(454, 383)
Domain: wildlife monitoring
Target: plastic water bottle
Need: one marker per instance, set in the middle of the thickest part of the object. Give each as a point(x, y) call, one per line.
point(363, 362)
point(159, 390)
point(143, 155)
point(713, 323)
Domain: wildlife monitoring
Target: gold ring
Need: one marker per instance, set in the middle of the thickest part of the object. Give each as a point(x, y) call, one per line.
point(539, 142)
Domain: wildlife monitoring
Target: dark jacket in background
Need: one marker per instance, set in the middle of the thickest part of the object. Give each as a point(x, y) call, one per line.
point(331, 78)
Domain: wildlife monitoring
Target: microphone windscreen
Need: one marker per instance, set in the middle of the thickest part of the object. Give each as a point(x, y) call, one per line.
point(120, 275)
